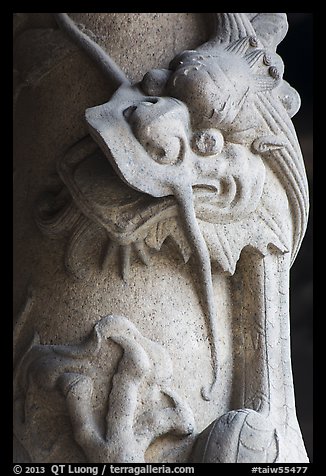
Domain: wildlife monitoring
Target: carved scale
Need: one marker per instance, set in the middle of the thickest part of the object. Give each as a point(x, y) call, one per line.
point(187, 136)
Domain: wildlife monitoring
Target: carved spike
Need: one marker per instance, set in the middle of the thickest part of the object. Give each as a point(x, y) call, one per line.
point(141, 249)
point(111, 249)
point(125, 254)
point(181, 243)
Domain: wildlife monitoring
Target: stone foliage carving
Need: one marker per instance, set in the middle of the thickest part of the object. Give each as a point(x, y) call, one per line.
point(203, 153)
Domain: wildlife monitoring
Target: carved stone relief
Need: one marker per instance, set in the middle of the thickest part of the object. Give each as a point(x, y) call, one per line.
point(191, 179)
point(141, 405)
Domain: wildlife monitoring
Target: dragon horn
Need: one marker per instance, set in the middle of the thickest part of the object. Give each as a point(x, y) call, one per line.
point(93, 50)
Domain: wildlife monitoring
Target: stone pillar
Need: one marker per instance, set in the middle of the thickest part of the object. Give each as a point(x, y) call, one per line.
point(160, 200)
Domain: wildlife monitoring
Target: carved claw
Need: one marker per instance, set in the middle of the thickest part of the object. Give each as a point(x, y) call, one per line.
point(180, 418)
point(206, 391)
point(78, 391)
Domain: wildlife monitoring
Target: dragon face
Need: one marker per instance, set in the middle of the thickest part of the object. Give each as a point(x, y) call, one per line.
point(150, 142)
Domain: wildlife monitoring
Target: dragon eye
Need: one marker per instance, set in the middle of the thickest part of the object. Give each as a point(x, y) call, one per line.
point(207, 142)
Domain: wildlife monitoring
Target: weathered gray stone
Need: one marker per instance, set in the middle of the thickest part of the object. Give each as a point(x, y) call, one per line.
point(156, 322)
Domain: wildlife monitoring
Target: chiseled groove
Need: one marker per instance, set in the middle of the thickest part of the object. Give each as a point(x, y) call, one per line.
point(60, 223)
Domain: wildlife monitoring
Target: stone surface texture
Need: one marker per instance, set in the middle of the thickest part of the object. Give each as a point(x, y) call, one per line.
point(160, 201)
